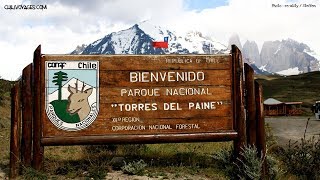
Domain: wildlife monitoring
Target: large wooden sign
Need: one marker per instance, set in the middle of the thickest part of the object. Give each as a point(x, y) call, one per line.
point(101, 99)
point(97, 97)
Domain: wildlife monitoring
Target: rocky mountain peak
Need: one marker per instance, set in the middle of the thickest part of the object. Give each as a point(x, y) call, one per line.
point(250, 52)
point(277, 56)
point(235, 39)
point(79, 49)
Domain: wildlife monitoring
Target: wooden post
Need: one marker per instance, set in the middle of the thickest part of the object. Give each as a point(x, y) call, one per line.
point(27, 116)
point(238, 106)
point(261, 134)
point(250, 105)
point(15, 131)
point(38, 149)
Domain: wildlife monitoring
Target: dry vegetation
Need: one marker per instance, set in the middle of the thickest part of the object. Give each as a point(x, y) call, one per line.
point(4, 131)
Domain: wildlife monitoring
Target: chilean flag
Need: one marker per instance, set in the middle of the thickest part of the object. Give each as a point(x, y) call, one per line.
point(161, 44)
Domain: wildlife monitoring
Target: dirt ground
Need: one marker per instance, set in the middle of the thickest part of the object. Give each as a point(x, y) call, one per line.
point(285, 128)
point(119, 175)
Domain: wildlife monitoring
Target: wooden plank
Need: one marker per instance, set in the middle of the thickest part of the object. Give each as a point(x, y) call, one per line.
point(150, 139)
point(260, 125)
point(148, 62)
point(38, 149)
point(15, 131)
point(250, 105)
point(136, 125)
point(238, 96)
point(27, 116)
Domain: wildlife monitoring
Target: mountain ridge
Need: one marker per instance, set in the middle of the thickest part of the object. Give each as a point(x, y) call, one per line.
point(270, 59)
point(135, 40)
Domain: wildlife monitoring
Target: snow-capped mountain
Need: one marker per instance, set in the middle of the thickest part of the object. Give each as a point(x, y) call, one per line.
point(286, 56)
point(289, 55)
point(65, 93)
point(138, 40)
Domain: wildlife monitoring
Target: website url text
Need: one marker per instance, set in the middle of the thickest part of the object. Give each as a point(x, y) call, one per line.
point(25, 7)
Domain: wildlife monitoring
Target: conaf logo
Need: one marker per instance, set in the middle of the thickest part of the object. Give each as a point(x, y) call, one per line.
point(72, 93)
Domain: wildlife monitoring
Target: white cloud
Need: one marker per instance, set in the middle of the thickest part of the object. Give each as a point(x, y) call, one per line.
point(257, 20)
point(66, 24)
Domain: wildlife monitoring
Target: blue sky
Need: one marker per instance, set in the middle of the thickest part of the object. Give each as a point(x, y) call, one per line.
point(204, 4)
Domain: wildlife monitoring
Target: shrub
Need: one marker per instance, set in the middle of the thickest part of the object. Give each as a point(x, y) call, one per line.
point(5, 87)
point(98, 172)
point(247, 166)
point(134, 168)
point(224, 159)
point(30, 173)
point(274, 171)
point(302, 159)
point(270, 138)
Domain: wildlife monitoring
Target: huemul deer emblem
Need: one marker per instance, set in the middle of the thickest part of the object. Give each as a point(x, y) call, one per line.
point(78, 101)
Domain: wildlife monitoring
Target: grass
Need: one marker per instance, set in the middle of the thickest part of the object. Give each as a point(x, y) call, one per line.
point(178, 159)
point(303, 87)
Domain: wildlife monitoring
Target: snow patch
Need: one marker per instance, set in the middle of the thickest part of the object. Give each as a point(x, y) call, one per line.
point(103, 47)
point(263, 68)
point(123, 40)
point(279, 48)
point(313, 54)
point(157, 33)
point(290, 71)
